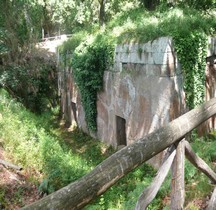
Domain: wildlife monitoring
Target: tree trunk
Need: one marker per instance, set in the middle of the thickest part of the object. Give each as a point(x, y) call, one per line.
point(151, 4)
point(102, 12)
point(149, 194)
point(177, 185)
point(198, 162)
point(78, 194)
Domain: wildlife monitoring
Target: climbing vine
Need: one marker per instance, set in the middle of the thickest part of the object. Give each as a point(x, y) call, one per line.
point(191, 51)
point(89, 62)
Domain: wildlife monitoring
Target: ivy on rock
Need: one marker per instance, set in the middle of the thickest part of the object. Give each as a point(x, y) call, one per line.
point(191, 50)
point(89, 62)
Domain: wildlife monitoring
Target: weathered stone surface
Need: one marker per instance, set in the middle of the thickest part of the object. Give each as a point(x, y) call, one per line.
point(159, 51)
point(143, 89)
point(175, 108)
point(103, 119)
point(143, 116)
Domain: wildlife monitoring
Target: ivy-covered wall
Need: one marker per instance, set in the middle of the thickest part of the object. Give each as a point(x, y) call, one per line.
point(147, 86)
point(143, 88)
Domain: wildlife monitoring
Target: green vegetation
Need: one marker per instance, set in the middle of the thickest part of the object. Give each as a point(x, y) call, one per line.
point(189, 29)
point(193, 65)
point(59, 157)
point(198, 185)
point(34, 82)
point(89, 58)
point(32, 142)
point(55, 158)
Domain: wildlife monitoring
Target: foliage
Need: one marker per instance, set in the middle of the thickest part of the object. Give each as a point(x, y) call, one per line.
point(34, 144)
point(198, 185)
point(198, 4)
point(33, 82)
point(20, 22)
point(69, 46)
point(29, 77)
point(37, 145)
point(139, 25)
point(195, 4)
point(70, 16)
point(89, 62)
point(192, 63)
point(125, 193)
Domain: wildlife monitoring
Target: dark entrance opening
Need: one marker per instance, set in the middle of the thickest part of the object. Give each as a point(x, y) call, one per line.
point(74, 110)
point(121, 131)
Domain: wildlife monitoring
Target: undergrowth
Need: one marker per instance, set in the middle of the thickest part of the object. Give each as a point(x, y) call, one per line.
point(32, 143)
point(33, 80)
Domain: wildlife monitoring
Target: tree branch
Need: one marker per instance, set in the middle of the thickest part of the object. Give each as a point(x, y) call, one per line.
point(8, 164)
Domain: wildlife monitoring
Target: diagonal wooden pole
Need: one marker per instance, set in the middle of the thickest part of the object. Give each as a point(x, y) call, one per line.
point(198, 162)
point(150, 193)
point(212, 202)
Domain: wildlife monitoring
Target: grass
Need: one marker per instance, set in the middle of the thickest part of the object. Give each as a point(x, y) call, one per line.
point(140, 26)
point(36, 145)
point(55, 157)
point(198, 186)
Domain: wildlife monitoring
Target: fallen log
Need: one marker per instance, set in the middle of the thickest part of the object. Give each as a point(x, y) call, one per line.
point(198, 162)
point(150, 192)
point(10, 165)
point(78, 194)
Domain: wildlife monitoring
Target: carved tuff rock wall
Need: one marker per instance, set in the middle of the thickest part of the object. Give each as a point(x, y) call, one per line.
point(142, 91)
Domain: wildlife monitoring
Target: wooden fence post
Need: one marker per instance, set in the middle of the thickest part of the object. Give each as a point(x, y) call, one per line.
point(177, 183)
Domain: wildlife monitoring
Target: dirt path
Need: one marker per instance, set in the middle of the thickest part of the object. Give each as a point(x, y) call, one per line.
point(15, 188)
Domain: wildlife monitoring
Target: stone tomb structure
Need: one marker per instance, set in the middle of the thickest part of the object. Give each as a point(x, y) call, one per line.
point(142, 91)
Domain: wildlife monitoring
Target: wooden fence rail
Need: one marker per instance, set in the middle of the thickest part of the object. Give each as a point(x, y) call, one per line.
point(78, 194)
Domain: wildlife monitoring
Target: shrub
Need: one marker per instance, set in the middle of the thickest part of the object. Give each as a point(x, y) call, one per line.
point(33, 82)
